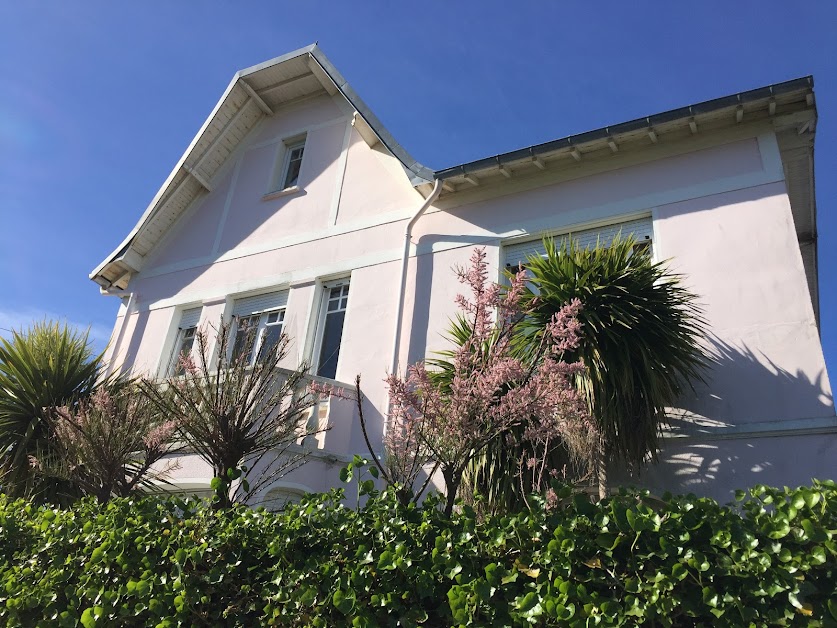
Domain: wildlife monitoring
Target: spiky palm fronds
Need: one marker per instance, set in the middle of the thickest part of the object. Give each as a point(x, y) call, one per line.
point(44, 366)
point(641, 336)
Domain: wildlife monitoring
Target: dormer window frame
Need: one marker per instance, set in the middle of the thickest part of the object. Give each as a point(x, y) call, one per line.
point(288, 170)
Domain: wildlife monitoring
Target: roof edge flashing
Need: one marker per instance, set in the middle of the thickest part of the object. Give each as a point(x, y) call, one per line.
point(707, 106)
point(417, 172)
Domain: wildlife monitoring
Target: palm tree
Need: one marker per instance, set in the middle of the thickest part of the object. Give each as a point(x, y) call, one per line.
point(42, 367)
point(641, 344)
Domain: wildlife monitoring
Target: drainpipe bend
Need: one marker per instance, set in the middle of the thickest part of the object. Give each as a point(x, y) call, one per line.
point(402, 286)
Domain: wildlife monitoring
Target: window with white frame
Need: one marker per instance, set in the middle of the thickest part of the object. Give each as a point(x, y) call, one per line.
point(258, 322)
point(641, 229)
point(293, 164)
point(330, 328)
point(184, 341)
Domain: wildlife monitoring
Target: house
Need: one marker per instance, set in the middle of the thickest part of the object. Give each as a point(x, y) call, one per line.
point(294, 211)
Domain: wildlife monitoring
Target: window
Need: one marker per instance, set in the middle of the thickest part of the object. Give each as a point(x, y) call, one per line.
point(258, 325)
point(185, 340)
point(641, 229)
point(293, 164)
point(330, 333)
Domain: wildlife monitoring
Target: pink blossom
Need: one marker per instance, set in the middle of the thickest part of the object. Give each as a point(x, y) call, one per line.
point(160, 435)
point(490, 390)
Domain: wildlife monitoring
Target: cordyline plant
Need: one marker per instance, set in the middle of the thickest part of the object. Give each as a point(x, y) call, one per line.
point(447, 421)
point(245, 420)
point(42, 366)
point(643, 335)
point(108, 444)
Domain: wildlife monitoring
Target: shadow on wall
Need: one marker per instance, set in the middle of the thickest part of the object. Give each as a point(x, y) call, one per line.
point(129, 356)
point(746, 386)
point(712, 447)
point(420, 319)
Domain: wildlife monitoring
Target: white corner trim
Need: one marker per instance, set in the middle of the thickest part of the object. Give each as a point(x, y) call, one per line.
point(226, 212)
point(341, 175)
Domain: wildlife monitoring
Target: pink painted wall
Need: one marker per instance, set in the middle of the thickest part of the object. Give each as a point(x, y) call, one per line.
point(720, 212)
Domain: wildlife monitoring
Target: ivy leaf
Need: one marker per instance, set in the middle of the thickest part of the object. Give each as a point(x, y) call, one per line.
point(90, 616)
point(386, 561)
point(344, 601)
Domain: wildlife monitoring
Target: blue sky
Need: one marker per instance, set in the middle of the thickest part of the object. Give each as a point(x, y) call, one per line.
point(98, 100)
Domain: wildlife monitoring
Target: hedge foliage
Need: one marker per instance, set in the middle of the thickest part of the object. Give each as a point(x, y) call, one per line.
point(629, 560)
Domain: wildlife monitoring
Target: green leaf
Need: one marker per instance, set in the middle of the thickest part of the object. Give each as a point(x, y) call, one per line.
point(494, 573)
point(458, 603)
point(387, 560)
point(344, 601)
point(373, 471)
point(90, 616)
point(529, 605)
point(710, 597)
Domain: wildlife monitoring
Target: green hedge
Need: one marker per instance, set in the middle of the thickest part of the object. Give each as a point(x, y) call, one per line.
point(682, 561)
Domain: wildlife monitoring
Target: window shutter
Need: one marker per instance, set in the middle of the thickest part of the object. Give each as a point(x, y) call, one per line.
point(260, 303)
point(190, 318)
point(641, 229)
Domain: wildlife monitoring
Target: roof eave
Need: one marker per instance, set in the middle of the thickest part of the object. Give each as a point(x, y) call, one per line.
point(416, 172)
point(672, 115)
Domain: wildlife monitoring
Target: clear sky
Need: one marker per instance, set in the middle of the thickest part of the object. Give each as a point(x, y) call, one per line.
point(98, 100)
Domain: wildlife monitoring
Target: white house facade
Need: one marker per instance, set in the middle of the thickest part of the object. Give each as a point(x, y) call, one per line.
point(294, 211)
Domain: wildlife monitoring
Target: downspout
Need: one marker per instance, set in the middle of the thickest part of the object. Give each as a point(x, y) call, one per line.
point(118, 344)
point(405, 258)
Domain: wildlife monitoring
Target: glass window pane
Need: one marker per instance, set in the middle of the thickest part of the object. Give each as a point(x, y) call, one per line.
point(245, 338)
point(185, 342)
point(270, 339)
point(294, 166)
point(330, 350)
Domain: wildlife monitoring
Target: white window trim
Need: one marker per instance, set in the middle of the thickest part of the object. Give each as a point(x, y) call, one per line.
point(166, 364)
point(585, 226)
point(276, 185)
point(263, 315)
point(319, 329)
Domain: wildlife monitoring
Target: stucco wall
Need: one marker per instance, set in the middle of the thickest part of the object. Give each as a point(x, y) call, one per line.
point(720, 212)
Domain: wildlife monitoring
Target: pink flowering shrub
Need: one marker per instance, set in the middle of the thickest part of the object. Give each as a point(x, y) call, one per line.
point(488, 390)
point(244, 419)
point(108, 445)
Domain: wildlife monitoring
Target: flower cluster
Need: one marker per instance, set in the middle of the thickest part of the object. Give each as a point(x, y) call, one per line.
point(487, 388)
point(110, 442)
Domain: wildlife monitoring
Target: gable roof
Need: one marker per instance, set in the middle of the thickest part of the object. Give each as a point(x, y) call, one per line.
point(260, 90)
point(253, 94)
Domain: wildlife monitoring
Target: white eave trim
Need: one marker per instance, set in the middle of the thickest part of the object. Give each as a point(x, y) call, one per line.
point(181, 163)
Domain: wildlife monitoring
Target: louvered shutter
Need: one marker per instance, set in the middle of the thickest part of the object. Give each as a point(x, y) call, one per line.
point(190, 318)
point(260, 303)
point(641, 229)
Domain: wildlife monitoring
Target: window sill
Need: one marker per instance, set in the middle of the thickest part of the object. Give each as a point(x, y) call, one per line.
point(294, 189)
